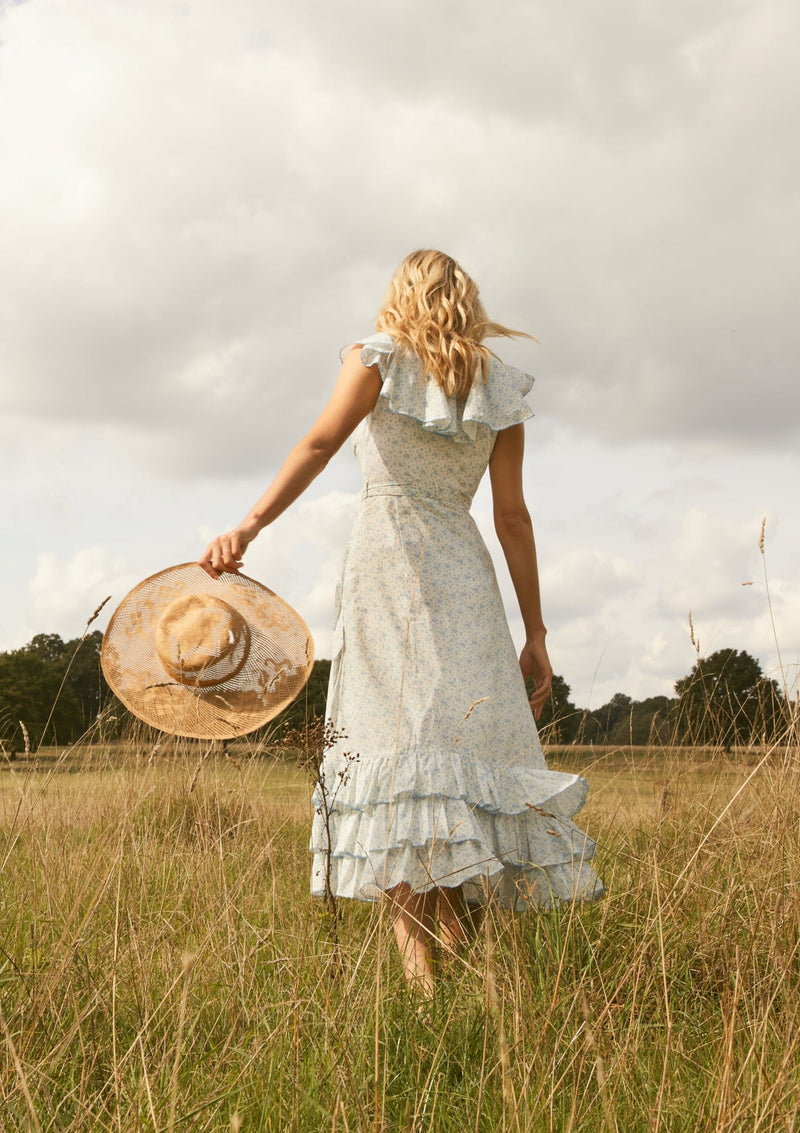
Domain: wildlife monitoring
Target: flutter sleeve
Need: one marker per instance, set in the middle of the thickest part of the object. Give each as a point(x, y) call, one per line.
point(496, 400)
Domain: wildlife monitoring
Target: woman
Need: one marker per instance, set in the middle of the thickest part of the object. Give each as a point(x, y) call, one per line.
point(435, 792)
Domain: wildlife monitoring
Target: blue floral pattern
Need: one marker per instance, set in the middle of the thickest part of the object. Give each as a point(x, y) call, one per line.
point(437, 777)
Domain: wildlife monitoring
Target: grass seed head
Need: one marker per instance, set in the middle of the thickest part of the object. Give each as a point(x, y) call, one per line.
point(96, 614)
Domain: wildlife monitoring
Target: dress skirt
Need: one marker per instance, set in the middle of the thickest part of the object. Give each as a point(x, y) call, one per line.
point(437, 777)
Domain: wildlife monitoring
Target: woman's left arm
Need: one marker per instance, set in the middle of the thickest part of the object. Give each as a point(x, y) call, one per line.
point(354, 395)
point(515, 531)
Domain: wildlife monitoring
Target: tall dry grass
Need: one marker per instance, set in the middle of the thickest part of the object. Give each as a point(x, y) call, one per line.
point(162, 966)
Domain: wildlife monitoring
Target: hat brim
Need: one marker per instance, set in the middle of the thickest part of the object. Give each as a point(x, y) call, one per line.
point(278, 665)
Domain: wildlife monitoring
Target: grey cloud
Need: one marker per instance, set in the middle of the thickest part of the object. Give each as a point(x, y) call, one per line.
point(572, 582)
point(622, 69)
point(207, 200)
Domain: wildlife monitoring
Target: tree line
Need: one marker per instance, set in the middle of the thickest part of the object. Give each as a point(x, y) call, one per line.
point(53, 692)
point(724, 701)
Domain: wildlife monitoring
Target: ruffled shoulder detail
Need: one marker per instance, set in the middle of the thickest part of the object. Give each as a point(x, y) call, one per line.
point(497, 401)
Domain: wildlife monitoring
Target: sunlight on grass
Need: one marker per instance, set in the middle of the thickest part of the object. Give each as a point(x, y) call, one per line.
point(162, 965)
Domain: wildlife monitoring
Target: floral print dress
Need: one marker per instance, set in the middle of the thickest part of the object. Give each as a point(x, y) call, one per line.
point(436, 776)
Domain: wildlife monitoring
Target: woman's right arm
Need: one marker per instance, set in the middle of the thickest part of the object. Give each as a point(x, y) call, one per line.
point(514, 529)
point(354, 395)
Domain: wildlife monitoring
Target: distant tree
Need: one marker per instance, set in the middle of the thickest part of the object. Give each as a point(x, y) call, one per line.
point(614, 717)
point(48, 647)
point(623, 721)
point(727, 700)
point(649, 722)
point(307, 707)
point(28, 687)
point(86, 681)
point(30, 680)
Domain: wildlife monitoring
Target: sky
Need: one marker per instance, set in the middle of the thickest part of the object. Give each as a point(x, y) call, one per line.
point(201, 202)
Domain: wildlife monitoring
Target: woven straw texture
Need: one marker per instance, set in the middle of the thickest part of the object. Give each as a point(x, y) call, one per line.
point(278, 662)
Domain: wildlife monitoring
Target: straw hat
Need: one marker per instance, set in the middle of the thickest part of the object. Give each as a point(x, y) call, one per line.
point(203, 657)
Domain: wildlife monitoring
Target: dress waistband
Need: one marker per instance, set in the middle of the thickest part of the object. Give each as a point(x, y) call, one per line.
point(440, 493)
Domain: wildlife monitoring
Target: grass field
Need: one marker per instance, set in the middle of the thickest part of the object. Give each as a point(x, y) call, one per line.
point(162, 966)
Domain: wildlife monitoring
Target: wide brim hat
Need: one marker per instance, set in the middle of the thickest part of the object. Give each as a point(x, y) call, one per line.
point(205, 658)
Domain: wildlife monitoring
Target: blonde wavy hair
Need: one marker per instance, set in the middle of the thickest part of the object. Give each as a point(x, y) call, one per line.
point(433, 309)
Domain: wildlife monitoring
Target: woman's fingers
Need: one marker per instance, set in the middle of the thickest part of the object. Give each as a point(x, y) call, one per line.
point(222, 555)
point(543, 684)
point(205, 561)
point(539, 699)
point(535, 663)
point(225, 559)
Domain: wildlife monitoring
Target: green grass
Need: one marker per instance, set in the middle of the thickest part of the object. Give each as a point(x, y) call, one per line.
point(162, 965)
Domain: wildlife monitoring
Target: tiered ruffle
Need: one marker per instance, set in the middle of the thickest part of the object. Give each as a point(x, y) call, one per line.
point(438, 820)
point(497, 401)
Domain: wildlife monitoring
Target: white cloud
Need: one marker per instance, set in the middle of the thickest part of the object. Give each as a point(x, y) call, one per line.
point(574, 580)
point(710, 559)
point(63, 594)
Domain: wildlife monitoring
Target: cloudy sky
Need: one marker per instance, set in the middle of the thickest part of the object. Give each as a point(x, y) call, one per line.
point(201, 201)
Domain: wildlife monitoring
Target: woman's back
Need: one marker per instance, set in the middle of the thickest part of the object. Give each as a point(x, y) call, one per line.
point(419, 438)
point(395, 450)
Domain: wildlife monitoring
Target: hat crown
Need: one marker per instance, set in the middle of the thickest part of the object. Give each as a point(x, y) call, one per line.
point(202, 640)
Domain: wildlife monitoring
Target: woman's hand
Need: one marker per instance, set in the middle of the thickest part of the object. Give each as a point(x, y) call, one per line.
point(225, 553)
point(534, 662)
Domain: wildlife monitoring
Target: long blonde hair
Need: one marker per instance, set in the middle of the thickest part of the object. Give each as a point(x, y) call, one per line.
point(432, 308)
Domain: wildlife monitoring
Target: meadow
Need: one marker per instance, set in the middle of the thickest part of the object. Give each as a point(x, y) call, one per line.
point(163, 967)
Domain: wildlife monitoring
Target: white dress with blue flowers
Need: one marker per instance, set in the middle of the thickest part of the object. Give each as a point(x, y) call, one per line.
point(437, 776)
